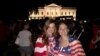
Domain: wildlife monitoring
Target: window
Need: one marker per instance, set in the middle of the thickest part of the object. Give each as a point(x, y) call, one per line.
point(56, 13)
point(61, 13)
point(69, 13)
point(41, 13)
point(65, 13)
point(73, 13)
point(47, 13)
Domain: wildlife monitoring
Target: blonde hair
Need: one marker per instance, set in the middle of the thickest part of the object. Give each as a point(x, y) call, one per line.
point(46, 26)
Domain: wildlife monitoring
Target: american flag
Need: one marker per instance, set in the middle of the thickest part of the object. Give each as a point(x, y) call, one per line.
point(73, 49)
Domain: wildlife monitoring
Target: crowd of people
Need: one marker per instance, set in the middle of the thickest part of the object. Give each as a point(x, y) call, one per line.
point(46, 37)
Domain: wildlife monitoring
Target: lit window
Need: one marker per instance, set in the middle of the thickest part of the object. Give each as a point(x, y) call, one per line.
point(41, 13)
point(69, 13)
point(61, 13)
point(65, 13)
point(47, 13)
point(56, 13)
point(73, 13)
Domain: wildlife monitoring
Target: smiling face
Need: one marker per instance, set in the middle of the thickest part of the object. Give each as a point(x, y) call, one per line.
point(51, 29)
point(63, 29)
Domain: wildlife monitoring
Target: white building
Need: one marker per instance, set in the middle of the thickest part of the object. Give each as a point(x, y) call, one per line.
point(53, 11)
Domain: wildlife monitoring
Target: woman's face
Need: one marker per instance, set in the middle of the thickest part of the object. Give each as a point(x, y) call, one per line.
point(63, 29)
point(51, 29)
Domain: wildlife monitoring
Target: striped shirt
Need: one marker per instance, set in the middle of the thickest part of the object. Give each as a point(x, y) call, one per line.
point(42, 49)
point(74, 48)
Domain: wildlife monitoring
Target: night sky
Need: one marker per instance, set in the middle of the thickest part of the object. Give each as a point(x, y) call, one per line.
point(18, 9)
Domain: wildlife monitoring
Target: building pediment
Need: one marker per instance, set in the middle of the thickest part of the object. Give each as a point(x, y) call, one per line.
point(52, 5)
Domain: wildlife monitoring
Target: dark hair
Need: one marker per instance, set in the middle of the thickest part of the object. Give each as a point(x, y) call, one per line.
point(24, 24)
point(46, 26)
point(66, 22)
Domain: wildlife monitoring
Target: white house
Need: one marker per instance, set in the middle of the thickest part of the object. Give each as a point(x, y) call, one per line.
point(52, 11)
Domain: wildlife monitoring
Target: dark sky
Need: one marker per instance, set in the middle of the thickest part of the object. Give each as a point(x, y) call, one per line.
point(18, 9)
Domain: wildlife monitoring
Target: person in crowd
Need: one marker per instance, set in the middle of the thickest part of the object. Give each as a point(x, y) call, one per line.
point(46, 41)
point(25, 43)
point(67, 45)
point(97, 43)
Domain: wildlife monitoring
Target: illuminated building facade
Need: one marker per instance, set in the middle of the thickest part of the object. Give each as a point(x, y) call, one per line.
point(52, 11)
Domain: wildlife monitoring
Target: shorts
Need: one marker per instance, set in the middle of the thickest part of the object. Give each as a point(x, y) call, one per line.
point(26, 49)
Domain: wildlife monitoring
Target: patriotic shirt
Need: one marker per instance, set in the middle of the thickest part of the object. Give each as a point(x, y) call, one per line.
point(73, 49)
point(51, 45)
point(42, 49)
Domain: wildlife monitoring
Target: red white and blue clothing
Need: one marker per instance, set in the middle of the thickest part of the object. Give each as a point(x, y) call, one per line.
point(74, 48)
point(42, 49)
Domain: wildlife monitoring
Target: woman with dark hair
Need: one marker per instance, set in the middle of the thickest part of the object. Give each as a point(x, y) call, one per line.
point(67, 45)
point(46, 41)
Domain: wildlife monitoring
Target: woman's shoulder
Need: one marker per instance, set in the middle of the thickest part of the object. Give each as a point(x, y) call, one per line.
point(39, 38)
point(74, 41)
point(71, 38)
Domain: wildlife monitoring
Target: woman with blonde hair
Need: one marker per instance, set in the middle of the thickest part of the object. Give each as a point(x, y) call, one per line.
point(46, 41)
